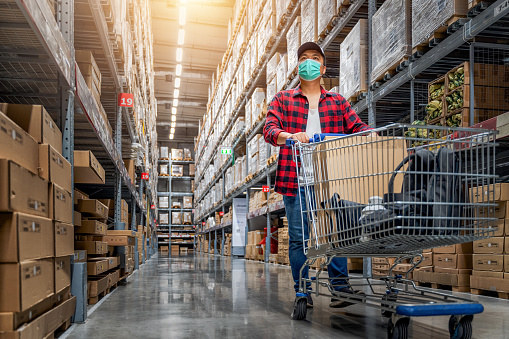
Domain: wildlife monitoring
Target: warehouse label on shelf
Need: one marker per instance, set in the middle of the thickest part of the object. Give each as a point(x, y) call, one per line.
point(152, 207)
point(500, 8)
point(144, 176)
point(265, 189)
point(125, 100)
point(226, 150)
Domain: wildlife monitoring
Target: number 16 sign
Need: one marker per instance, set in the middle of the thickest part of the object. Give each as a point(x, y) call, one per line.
point(125, 100)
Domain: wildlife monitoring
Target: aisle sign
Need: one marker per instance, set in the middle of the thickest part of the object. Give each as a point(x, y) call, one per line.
point(226, 150)
point(144, 176)
point(221, 213)
point(125, 100)
point(152, 207)
point(203, 223)
point(265, 189)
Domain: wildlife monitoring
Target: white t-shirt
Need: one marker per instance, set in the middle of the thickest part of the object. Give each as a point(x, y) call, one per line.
point(313, 127)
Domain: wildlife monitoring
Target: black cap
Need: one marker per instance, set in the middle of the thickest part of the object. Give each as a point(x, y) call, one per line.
point(307, 46)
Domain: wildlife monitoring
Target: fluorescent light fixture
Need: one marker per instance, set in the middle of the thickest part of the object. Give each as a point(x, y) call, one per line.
point(172, 130)
point(171, 136)
point(173, 118)
point(176, 93)
point(173, 124)
point(179, 54)
point(177, 82)
point(178, 70)
point(181, 36)
point(174, 110)
point(175, 102)
point(182, 16)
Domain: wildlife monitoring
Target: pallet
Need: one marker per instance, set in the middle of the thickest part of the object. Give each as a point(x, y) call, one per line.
point(436, 286)
point(328, 28)
point(391, 71)
point(496, 294)
point(60, 330)
point(358, 96)
point(477, 6)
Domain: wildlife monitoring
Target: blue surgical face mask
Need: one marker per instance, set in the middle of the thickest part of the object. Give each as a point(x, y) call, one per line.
point(309, 70)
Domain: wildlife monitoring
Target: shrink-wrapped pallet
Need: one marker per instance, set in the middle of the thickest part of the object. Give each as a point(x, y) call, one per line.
point(391, 38)
point(326, 9)
point(308, 19)
point(281, 9)
point(293, 42)
point(429, 16)
point(281, 73)
point(353, 62)
point(272, 66)
point(271, 89)
point(257, 104)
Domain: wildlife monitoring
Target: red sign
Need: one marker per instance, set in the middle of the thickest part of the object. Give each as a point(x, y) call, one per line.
point(152, 207)
point(203, 223)
point(221, 213)
point(266, 189)
point(125, 100)
point(144, 176)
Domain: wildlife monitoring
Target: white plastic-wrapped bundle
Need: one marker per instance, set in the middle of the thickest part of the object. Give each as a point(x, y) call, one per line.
point(257, 103)
point(163, 202)
point(308, 12)
point(281, 73)
point(391, 39)
point(272, 66)
point(271, 89)
point(430, 15)
point(164, 152)
point(263, 152)
point(327, 9)
point(253, 164)
point(353, 62)
point(292, 44)
point(281, 9)
point(248, 114)
point(252, 146)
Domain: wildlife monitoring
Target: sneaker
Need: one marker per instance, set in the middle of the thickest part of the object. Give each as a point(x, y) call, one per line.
point(338, 303)
point(310, 301)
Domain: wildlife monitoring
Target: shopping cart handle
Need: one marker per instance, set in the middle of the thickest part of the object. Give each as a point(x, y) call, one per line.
point(316, 138)
point(291, 142)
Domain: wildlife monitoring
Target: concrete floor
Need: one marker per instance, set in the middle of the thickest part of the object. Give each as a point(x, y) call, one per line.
point(216, 297)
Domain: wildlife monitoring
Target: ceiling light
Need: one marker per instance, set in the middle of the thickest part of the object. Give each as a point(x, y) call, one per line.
point(181, 36)
point(172, 130)
point(176, 93)
point(177, 82)
point(173, 124)
point(179, 54)
point(171, 136)
point(173, 118)
point(174, 110)
point(182, 16)
point(175, 102)
point(178, 70)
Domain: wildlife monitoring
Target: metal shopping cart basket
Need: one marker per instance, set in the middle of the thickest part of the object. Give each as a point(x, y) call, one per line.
point(409, 188)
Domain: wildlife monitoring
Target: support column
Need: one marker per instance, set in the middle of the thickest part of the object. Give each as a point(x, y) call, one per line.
point(371, 104)
point(118, 177)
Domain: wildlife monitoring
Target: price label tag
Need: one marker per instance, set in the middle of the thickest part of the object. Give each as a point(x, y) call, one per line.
point(144, 176)
point(265, 189)
point(221, 213)
point(125, 100)
point(152, 207)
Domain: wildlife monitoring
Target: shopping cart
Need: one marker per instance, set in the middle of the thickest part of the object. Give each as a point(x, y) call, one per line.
point(409, 188)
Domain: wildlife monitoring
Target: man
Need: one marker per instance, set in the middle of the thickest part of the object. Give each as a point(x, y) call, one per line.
point(298, 114)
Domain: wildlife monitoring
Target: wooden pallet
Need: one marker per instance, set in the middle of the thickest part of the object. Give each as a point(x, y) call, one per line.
point(496, 294)
point(61, 329)
point(328, 28)
point(359, 95)
point(391, 71)
point(437, 286)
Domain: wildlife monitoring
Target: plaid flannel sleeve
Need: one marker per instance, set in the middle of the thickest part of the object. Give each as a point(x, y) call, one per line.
point(353, 123)
point(273, 122)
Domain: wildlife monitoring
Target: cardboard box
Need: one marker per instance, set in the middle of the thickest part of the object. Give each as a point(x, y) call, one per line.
point(498, 212)
point(188, 202)
point(177, 154)
point(62, 273)
point(113, 262)
point(466, 271)
point(80, 256)
point(458, 280)
point(37, 122)
point(192, 170)
point(92, 227)
point(427, 259)
point(92, 247)
point(87, 169)
point(22, 190)
point(465, 248)
point(490, 284)
point(489, 262)
point(495, 192)
point(93, 208)
point(96, 266)
point(489, 274)
point(131, 170)
point(97, 285)
point(118, 240)
point(497, 227)
point(22, 285)
point(61, 204)
point(449, 260)
point(78, 195)
point(17, 145)
point(64, 239)
point(24, 237)
point(77, 218)
point(54, 168)
point(490, 245)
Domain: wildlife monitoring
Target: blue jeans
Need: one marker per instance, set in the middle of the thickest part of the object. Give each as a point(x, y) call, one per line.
point(338, 267)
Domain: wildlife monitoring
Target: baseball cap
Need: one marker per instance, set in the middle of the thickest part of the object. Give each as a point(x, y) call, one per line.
point(310, 46)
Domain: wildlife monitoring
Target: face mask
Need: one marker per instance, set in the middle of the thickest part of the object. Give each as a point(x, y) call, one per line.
point(309, 70)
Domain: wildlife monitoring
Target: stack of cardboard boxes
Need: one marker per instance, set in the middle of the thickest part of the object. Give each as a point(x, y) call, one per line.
point(283, 243)
point(141, 235)
point(36, 231)
point(254, 249)
point(257, 200)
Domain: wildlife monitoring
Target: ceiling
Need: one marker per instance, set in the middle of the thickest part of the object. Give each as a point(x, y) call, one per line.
point(206, 35)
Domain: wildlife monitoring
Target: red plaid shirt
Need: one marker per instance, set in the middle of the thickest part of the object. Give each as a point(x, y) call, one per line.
point(288, 112)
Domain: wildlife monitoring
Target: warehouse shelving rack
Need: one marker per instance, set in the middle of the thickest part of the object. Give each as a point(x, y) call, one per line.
point(37, 66)
point(487, 21)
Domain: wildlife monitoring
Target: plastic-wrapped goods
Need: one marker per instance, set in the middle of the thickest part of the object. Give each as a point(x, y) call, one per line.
point(188, 202)
point(281, 72)
point(353, 61)
point(271, 90)
point(241, 169)
point(309, 13)
point(292, 45)
point(391, 36)
point(248, 114)
point(163, 170)
point(163, 202)
point(263, 152)
point(281, 9)
point(257, 104)
point(164, 218)
point(164, 153)
point(253, 163)
point(327, 9)
point(274, 150)
point(229, 179)
point(252, 146)
point(176, 204)
point(238, 126)
point(187, 154)
point(430, 15)
point(247, 69)
point(177, 170)
point(176, 218)
point(177, 154)
point(187, 218)
point(272, 66)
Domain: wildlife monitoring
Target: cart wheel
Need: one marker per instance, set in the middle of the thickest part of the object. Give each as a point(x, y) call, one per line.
point(399, 330)
point(388, 297)
point(299, 309)
point(461, 329)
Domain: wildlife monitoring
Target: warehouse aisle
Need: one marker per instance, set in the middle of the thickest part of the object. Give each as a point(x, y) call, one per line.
point(217, 297)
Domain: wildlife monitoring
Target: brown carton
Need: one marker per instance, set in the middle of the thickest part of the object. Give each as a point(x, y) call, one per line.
point(489, 246)
point(77, 218)
point(92, 247)
point(60, 204)
point(37, 122)
point(93, 208)
point(22, 285)
point(96, 266)
point(80, 256)
point(17, 145)
point(78, 195)
point(118, 240)
point(465, 248)
point(92, 227)
point(489, 274)
point(490, 284)
point(466, 271)
point(64, 239)
point(498, 212)
point(87, 170)
point(54, 168)
point(62, 273)
point(489, 262)
point(450, 260)
point(22, 190)
point(497, 192)
point(24, 237)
